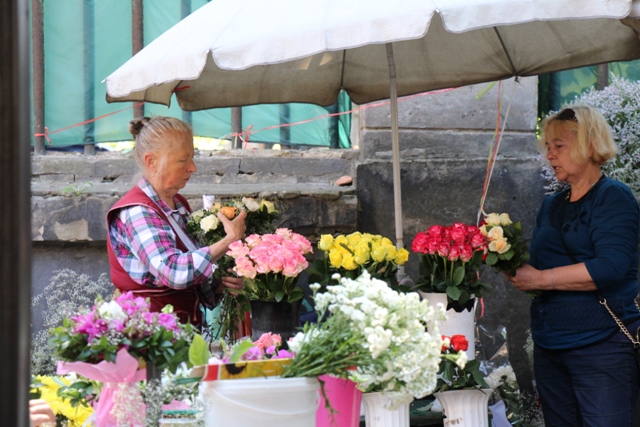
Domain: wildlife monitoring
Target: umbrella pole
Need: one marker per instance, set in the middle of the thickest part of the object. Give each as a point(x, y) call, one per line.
point(395, 148)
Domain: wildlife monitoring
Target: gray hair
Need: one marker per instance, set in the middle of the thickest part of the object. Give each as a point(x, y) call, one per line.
point(152, 134)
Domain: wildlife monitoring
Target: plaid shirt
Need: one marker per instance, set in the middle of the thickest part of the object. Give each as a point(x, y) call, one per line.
point(145, 245)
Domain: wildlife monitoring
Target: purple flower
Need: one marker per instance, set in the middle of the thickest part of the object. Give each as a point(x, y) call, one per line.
point(168, 321)
point(117, 324)
point(270, 350)
point(132, 304)
point(88, 324)
point(282, 354)
point(254, 353)
point(150, 318)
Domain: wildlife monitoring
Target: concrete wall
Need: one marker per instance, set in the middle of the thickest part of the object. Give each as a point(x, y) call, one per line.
point(444, 142)
point(71, 194)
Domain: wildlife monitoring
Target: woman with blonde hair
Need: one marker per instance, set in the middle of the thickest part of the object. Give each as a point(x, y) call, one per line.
point(584, 260)
point(150, 253)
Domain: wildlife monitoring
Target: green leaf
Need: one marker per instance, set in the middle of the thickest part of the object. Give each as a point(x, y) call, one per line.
point(279, 296)
point(458, 275)
point(491, 258)
point(199, 351)
point(240, 350)
point(453, 292)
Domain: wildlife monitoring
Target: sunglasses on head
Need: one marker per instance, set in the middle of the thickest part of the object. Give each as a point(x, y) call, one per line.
point(567, 114)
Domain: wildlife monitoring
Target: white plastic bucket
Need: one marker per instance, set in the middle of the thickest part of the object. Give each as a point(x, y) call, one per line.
point(284, 402)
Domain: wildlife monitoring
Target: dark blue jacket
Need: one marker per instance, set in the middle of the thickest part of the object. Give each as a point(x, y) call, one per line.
point(601, 230)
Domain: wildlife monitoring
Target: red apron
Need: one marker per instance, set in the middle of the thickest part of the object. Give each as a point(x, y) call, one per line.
point(185, 302)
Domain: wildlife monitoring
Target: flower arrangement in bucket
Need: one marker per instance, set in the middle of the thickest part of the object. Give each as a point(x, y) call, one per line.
point(207, 229)
point(461, 389)
point(507, 249)
point(449, 262)
point(373, 335)
point(270, 265)
point(115, 341)
point(354, 253)
point(456, 371)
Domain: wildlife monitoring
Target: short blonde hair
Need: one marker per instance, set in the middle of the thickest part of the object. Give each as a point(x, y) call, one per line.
point(153, 134)
point(591, 129)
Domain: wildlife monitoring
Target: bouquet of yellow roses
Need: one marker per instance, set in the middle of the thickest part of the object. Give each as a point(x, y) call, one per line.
point(352, 254)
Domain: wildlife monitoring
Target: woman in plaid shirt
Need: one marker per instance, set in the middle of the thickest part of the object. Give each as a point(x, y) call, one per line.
point(150, 253)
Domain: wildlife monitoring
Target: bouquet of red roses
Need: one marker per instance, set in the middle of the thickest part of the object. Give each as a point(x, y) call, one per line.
point(450, 260)
point(456, 372)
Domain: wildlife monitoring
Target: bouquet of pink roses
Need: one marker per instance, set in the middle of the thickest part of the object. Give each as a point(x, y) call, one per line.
point(449, 261)
point(270, 264)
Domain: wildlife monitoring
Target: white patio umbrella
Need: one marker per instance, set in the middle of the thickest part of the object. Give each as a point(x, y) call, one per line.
point(248, 52)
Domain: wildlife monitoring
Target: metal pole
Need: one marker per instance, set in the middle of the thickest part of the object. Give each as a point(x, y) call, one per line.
point(137, 41)
point(285, 131)
point(15, 213)
point(334, 125)
point(603, 76)
point(395, 148)
point(236, 127)
point(37, 35)
point(185, 10)
point(89, 79)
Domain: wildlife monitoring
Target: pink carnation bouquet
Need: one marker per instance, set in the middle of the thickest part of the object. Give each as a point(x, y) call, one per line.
point(270, 264)
point(268, 346)
point(449, 261)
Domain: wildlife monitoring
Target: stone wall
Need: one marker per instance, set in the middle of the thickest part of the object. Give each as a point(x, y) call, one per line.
point(71, 194)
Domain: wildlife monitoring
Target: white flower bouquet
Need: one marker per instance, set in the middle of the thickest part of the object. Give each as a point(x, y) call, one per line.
point(390, 349)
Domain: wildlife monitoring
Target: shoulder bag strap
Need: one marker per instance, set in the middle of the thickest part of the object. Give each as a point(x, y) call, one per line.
point(206, 294)
point(186, 241)
point(603, 301)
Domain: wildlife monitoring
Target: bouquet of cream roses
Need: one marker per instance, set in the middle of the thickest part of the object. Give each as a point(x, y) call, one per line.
point(378, 331)
point(207, 229)
point(205, 226)
point(507, 249)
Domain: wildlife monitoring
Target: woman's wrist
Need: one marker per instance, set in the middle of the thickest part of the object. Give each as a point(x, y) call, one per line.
point(553, 282)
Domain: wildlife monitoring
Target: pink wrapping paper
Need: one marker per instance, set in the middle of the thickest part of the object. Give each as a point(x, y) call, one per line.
point(125, 370)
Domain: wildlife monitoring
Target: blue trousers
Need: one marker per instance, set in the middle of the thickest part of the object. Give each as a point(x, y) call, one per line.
point(591, 386)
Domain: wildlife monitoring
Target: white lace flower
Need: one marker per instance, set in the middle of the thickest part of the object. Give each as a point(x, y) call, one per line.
point(112, 311)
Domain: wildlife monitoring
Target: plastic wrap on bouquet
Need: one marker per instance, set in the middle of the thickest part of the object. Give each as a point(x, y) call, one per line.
point(123, 371)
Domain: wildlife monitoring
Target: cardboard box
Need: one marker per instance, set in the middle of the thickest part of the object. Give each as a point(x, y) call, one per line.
point(243, 369)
